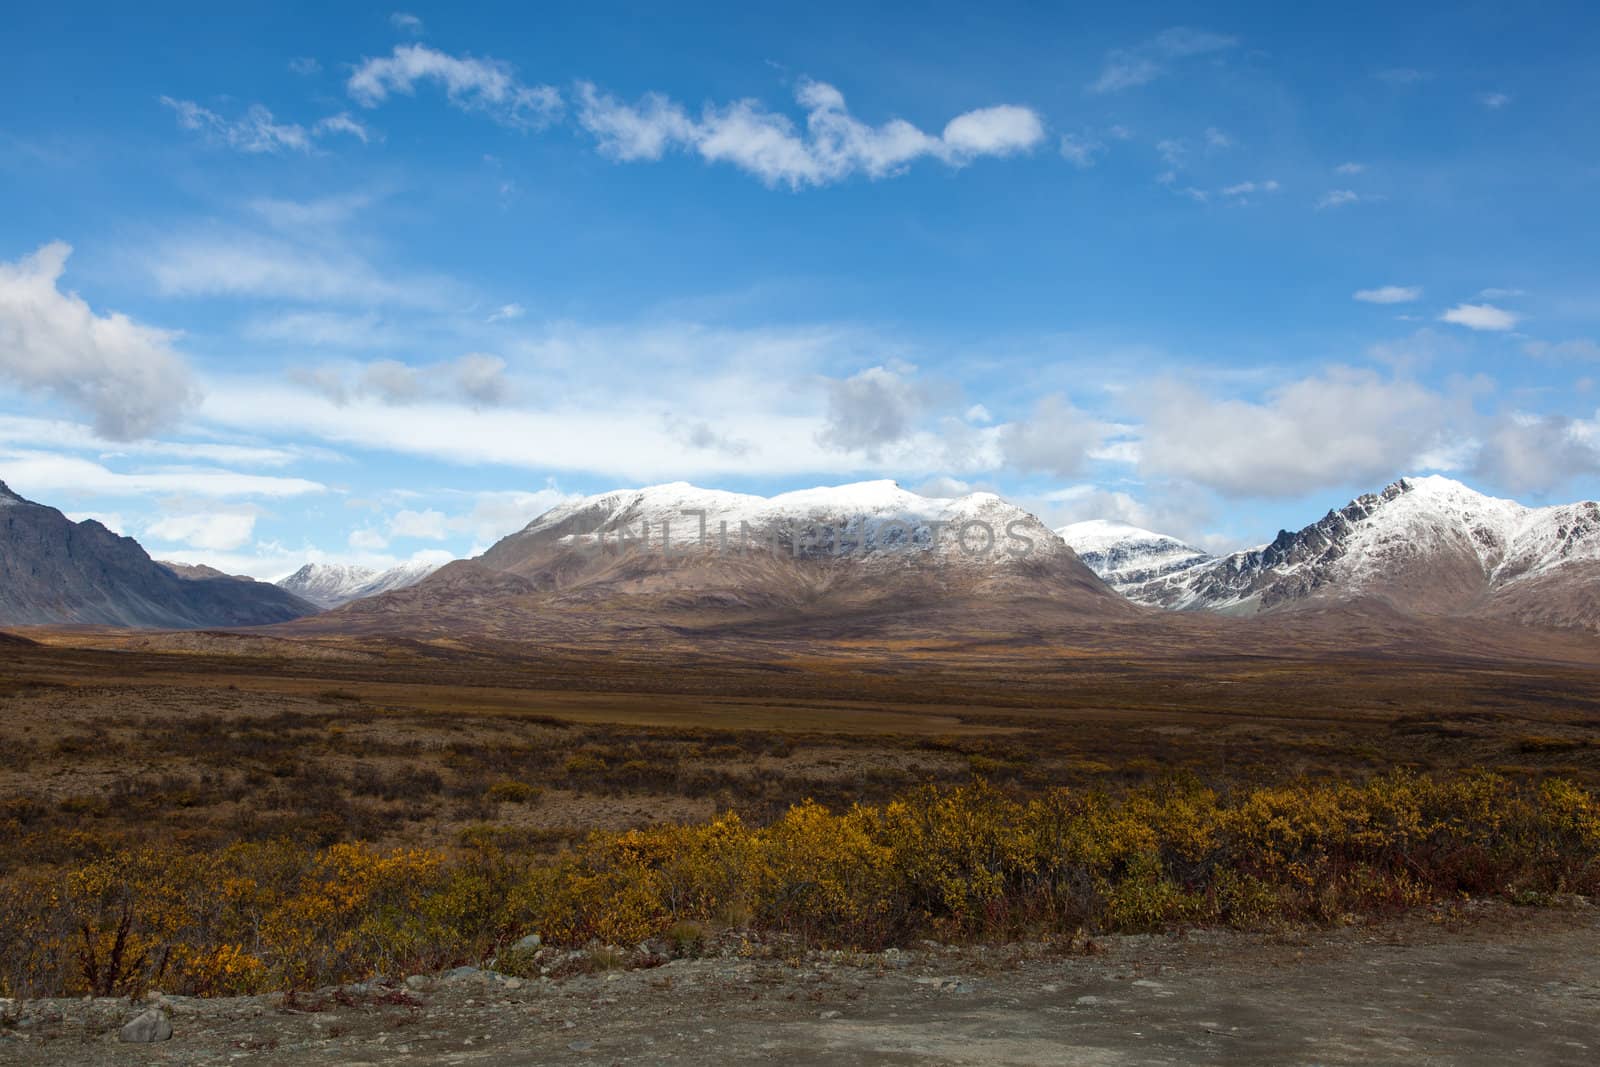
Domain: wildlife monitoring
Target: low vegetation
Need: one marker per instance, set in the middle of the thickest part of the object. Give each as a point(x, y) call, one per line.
point(964, 862)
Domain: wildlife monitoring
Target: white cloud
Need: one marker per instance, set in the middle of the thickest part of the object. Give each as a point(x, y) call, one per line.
point(1578, 348)
point(427, 525)
point(1340, 427)
point(342, 123)
point(507, 313)
point(1481, 317)
point(481, 378)
point(495, 514)
point(257, 132)
point(1128, 68)
point(406, 23)
point(1081, 152)
point(127, 375)
point(1216, 139)
point(1338, 198)
point(1350, 168)
point(1245, 189)
point(1055, 439)
point(477, 377)
point(49, 472)
point(1389, 294)
point(241, 263)
point(1494, 101)
point(368, 540)
point(1171, 151)
point(305, 66)
point(767, 144)
point(878, 406)
point(489, 86)
point(221, 531)
point(1535, 453)
point(61, 434)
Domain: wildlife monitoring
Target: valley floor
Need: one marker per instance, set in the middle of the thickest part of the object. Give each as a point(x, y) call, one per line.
point(1482, 984)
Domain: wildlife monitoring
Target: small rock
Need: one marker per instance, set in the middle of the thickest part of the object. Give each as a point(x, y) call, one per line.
point(528, 944)
point(418, 982)
point(830, 1014)
point(147, 1027)
point(580, 1046)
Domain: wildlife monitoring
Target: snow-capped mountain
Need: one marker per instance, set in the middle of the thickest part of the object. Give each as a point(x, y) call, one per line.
point(872, 521)
point(869, 547)
point(328, 585)
point(1423, 545)
point(1127, 556)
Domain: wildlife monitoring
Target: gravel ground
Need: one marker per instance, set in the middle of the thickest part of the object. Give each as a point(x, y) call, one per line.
point(1485, 985)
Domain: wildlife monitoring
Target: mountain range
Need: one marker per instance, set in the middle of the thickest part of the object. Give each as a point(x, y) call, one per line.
point(1422, 546)
point(55, 571)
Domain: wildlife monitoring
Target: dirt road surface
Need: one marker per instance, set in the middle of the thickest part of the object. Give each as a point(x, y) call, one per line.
point(1494, 986)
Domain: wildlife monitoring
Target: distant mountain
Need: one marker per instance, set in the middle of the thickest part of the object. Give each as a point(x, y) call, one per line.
point(192, 570)
point(56, 571)
point(330, 585)
point(1126, 555)
point(1427, 546)
point(870, 546)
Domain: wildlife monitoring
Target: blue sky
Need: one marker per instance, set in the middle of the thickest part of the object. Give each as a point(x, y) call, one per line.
point(367, 283)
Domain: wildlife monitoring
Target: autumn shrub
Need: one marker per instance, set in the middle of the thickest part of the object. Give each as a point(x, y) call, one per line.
point(968, 862)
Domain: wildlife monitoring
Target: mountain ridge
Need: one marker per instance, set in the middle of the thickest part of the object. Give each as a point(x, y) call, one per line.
point(54, 571)
point(1427, 545)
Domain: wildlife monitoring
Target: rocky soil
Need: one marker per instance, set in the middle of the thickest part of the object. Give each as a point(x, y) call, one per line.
point(1481, 984)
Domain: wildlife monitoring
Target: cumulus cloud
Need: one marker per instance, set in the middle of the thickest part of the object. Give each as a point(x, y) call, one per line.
point(487, 86)
point(258, 132)
point(406, 23)
point(1055, 439)
point(482, 378)
point(1128, 68)
point(876, 407)
point(1481, 317)
point(427, 525)
point(219, 531)
point(1343, 426)
point(125, 374)
point(1537, 453)
point(833, 146)
point(1389, 294)
point(1494, 101)
point(367, 539)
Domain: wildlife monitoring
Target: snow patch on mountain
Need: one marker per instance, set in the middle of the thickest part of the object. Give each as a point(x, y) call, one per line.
point(1428, 543)
point(860, 519)
point(1123, 554)
point(328, 585)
